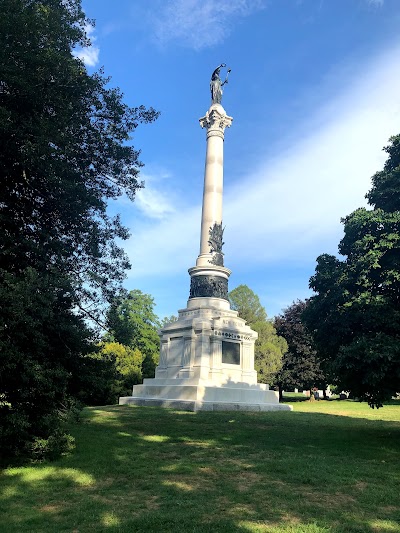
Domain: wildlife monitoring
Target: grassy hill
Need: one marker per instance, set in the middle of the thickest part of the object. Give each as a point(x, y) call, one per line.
point(325, 467)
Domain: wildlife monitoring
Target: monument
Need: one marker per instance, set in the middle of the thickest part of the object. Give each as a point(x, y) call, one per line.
point(207, 355)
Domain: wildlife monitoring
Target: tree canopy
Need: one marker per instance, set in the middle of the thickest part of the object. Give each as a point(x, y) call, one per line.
point(269, 347)
point(247, 303)
point(132, 322)
point(65, 151)
point(268, 351)
point(301, 367)
point(355, 314)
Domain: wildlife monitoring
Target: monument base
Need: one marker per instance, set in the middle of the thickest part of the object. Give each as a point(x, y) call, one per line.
point(187, 405)
point(206, 364)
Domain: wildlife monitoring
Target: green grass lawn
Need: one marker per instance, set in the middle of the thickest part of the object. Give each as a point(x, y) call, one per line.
point(325, 467)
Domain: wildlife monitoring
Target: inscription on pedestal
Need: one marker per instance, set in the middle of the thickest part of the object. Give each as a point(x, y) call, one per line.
point(232, 323)
point(231, 335)
point(208, 287)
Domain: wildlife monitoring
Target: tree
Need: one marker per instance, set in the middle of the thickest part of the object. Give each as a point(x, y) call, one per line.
point(98, 377)
point(63, 155)
point(168, 320)
point(301, 367)
point(132, 322)
point(107, 373)
point(247, 303)
point(128, 368)
point(39, 339)
point(268, 351)
point(355, 314)
point(128, 363)
point(269, 347)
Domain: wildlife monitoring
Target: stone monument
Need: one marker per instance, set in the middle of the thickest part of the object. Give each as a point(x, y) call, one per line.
point(207, 355)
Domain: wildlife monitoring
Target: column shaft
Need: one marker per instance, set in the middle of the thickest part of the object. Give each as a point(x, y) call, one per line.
point(215, 121)
point(213, 187)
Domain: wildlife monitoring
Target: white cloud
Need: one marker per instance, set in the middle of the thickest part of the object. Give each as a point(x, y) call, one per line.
point(375, 2)
point(290, 207)
point(200, 23)
point(90, 54)
point(153, 203)
point(165, 248)
point(155, 200)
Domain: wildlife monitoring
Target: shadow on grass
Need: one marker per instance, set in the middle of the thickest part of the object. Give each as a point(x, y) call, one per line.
point(150, 469)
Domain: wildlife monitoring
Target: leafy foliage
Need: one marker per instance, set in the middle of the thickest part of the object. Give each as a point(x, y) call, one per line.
point(108, 373)
point(168, 320)
point(133, 323)
point(39, 339)
point(269, 347)
point(301, 367)
point(128, 365)
point(355, 315)
point(63, 155)
point(247, 303)
point(268, 351)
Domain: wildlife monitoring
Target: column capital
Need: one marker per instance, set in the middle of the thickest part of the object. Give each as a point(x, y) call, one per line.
point(215, 121)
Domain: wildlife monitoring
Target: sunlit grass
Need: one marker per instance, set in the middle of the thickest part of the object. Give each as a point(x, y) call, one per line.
point(38, 474)
point(328, 466)
point(349, 408)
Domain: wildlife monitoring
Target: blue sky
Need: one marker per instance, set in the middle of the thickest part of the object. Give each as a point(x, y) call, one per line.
point(314, 93)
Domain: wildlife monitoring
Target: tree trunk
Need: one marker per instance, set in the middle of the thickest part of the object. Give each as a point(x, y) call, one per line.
point(280, 389)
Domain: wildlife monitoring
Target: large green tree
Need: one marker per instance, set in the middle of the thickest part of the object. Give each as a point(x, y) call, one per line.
point(269, 347)
point(132, 322)
point(64, 152)
point(301, 367)
point(247, 304)
point(355, 314)
point(269, 350)
point(126, 366)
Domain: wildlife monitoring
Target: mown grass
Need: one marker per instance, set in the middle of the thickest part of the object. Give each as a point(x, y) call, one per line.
point(325, 467)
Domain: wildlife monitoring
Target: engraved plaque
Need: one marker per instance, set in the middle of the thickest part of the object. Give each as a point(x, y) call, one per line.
point(231, 353)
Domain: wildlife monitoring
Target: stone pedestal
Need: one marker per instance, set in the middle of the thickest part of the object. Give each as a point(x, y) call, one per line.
point(207, 355)
point(206, 363)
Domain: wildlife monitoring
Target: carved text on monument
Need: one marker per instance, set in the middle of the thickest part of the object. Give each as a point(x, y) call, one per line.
point(231, 335)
